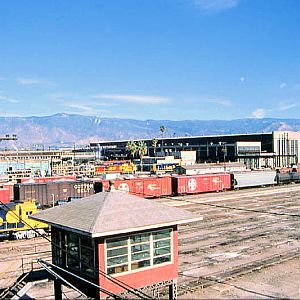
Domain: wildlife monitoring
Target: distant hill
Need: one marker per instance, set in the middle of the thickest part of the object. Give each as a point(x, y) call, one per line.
point(66, 129)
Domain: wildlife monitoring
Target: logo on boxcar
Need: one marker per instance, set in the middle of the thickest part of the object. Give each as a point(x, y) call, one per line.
point(192, 184)
point(152, 187)
point(123, 187)
point(83, 188)
point(216, 180)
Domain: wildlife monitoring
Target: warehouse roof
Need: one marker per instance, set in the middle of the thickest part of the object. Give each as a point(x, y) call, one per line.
point(214, 165)
point(110, 213)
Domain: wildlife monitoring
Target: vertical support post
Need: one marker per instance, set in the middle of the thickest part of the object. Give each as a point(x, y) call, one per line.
point(155, 293)
point(57, 289)
point(22, 264)
point(173, 290)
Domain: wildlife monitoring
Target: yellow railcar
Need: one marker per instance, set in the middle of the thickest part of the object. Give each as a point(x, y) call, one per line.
point(14, 221)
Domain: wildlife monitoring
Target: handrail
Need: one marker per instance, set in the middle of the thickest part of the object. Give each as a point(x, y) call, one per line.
point(18, 281)
point(48, 267)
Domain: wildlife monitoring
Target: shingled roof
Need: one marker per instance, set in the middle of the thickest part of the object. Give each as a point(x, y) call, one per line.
point(110, 213)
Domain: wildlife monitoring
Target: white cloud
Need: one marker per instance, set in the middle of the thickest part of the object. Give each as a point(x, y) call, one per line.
point(140, 99)
point(86, 109)
point(7, 99)
point(215, 5)
point(259, 113)
point(284, 105)
point(79, 106)
point(27, 81)
point(242, 79)
point(32, 81)
point(282, 85)
point(56, 96)
point(296, 87)
point(8, 114)
point(222, 102)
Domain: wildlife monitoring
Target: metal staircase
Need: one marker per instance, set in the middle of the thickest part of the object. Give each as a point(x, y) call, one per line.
point(18, 289)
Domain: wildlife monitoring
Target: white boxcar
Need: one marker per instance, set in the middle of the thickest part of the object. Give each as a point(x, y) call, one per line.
point(254, 178)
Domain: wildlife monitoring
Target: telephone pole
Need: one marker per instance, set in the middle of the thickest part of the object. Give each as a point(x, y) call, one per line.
point(7, 137)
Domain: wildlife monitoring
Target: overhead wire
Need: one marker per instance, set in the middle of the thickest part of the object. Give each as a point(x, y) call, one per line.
point(123, 284)
point(107, 292)
point(244, 209)
point(116, 281)
point(230, 284)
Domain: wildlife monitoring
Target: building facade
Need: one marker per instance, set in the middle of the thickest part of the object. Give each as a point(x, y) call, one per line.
point(256, 150)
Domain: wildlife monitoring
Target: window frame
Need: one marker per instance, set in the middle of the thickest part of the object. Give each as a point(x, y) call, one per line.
point(131, 244)
point(61, 252)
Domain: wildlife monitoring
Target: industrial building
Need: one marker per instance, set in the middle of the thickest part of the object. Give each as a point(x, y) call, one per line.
point(18, 164)
point(256, 150)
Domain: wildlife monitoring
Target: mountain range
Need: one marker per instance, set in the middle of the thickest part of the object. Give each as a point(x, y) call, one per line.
point(63, 130)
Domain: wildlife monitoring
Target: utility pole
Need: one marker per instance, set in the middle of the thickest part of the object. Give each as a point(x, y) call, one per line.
point(7, 137)
point(223, 144)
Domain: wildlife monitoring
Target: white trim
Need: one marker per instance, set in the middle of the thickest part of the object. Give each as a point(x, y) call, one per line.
point(151, 249)
point(143, 228)
point(120, 231)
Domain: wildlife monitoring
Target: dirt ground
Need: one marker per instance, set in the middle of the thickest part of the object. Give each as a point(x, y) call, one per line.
point(278, 281)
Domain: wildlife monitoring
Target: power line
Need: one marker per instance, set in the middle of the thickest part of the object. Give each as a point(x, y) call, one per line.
point(116, 281)
point(230, 284)
point(43, 263)
point(245, 209)
point(128, 287)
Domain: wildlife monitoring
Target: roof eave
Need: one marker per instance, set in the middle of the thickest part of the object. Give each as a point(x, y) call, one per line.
point(67, 228)
point(144, 228)
point(119, 231)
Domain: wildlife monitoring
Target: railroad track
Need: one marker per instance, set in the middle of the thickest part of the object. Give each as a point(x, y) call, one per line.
point(195, 205)
point(237, 229)
point(227, 195)
point(221, 277)
point(15, 247)
point(24, 256)
point(242, 231)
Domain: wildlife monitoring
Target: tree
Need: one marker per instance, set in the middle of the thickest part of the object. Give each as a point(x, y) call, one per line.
point(162, 130)
point(142, 150)
point(154, 144)
point(131, 147)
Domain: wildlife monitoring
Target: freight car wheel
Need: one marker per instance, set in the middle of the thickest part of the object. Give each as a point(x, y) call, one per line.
point(19, 235)
point(30, 234)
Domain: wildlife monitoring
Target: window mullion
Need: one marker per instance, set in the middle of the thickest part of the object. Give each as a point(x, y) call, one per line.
point(79, 250)
point(129, 254)
point(151, 250)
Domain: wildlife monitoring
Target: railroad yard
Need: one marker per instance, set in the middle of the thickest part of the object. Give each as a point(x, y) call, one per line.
point(247, 246)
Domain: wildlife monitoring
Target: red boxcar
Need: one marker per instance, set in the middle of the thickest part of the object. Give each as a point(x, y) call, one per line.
point(201, 183)
point(10, 187)
point(147, 187)
point(4, 195)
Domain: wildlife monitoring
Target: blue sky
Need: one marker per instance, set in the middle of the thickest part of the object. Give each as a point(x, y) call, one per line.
point(158, 59)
